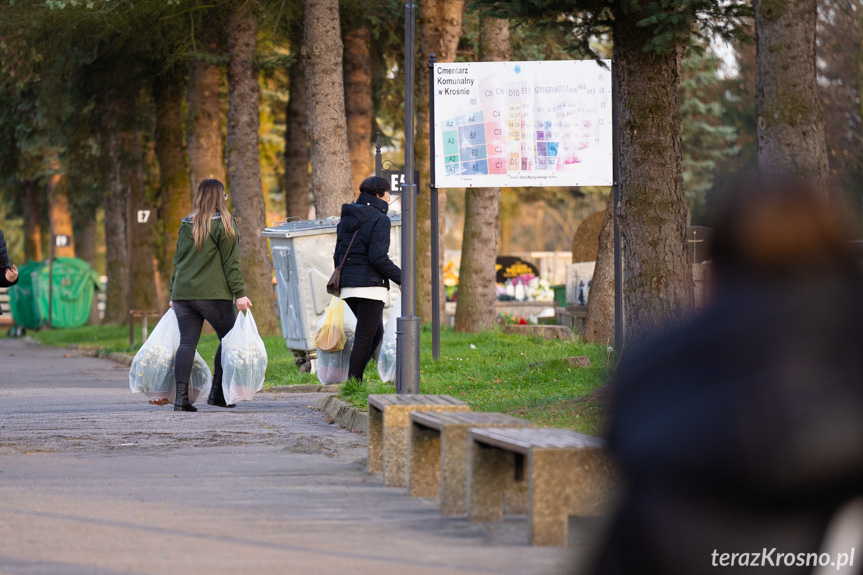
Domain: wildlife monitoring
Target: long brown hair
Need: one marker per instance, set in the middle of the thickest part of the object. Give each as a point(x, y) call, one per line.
point(209, 201)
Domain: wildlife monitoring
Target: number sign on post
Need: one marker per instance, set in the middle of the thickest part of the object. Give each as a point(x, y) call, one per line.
point(523, 124)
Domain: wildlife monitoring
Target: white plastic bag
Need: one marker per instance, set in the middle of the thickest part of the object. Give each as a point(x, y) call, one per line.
point(152, 370)
point(387, 356)
point(333, 365)
point(244, 360)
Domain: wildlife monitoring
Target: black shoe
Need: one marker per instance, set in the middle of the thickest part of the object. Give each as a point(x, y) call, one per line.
point(217, 395)
point(182, 403)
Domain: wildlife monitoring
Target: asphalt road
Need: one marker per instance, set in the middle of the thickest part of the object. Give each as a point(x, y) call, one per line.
point(94, 480)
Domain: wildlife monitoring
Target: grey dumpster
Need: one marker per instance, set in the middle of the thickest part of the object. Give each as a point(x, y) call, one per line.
point(303, 260)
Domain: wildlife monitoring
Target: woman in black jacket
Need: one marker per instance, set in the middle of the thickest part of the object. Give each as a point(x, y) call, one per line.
point(8, 272)
point(368, 269)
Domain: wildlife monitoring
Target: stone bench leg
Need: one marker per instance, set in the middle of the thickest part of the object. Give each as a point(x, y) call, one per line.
point(395, 453)
point(454, 470)
point(425, 461)
point(561, 484)
point(548, 505)
point(453, 484)
point(375, 439)
point(488, 476)
point(515, 501)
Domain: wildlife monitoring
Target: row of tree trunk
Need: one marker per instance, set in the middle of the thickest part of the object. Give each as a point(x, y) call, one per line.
point(329, 121)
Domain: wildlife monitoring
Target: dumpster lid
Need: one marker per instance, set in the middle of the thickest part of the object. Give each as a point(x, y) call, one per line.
point(299, 228)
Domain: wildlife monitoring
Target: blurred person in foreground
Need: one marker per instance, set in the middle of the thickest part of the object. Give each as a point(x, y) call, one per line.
point(742, 431)
point(8, 271)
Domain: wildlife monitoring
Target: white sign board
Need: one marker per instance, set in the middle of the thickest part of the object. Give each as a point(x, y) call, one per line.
point(522, 124)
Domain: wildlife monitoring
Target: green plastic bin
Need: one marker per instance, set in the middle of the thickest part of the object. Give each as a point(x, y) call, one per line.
point(559, 295)
point(74, 282)
point(22, 298)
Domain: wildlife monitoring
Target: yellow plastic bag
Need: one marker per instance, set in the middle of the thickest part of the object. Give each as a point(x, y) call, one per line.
point(331, 327)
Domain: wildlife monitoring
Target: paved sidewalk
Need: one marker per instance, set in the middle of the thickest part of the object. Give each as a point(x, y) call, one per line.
point(94, 480)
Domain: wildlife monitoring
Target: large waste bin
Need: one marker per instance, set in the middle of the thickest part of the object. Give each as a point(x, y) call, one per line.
point(22, 298)
point(303, 260)
point(72, 295)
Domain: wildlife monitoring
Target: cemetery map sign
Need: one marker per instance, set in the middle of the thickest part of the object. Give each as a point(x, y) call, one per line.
point(523, 124)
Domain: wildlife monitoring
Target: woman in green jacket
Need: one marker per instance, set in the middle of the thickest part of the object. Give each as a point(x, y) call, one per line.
point(206, 280)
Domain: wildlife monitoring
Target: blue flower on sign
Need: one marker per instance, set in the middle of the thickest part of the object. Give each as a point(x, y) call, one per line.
point(517, 69)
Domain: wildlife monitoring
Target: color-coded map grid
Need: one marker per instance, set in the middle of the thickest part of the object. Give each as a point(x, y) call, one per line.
point(522, 124)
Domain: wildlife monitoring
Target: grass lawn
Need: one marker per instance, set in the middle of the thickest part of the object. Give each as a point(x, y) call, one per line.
point(490, 371)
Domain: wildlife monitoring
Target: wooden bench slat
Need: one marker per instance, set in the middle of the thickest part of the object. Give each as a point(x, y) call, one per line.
point(382, 401)
point(436, 420)
point(521, 439)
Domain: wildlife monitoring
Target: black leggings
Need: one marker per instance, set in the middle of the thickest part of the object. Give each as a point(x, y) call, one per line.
point(370, 332)
point(191, 314)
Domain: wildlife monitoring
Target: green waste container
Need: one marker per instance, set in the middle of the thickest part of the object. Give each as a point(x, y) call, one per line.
point(22, 298)
point(74, 282)
point(559, 295)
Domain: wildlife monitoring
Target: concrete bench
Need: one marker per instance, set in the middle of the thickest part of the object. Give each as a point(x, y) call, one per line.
point(389, 426)
point(567, 473)
point(439, 456)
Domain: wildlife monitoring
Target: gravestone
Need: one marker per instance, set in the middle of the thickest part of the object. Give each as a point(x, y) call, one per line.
point(585, 243)
point(580, 273)
point(698, 243)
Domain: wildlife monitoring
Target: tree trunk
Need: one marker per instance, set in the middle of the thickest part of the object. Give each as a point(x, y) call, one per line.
point(203, 124)
point(116, 262)
point(59, 216)
point(244, 167)
point(125, 175)
point(85, 239)
point(176, 202)
point(858, 60)
point(85, 248)
point(790, 117)
point(297, 181)
point(477, 294)
point(331, 168)
point(599, 327)
point(32, 200)
point(144, 295)
point(359, 107)
point(439, 26)
point(657, 278)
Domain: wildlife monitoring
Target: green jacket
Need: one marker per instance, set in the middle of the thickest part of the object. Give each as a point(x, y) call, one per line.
point(213, 272)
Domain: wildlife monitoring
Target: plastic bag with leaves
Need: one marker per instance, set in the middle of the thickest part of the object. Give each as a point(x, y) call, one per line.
point(387, 357)
point(244, 360)
point(152, 370)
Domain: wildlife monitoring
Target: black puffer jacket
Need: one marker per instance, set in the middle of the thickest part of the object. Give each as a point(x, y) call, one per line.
point(4, 265)
point(368, 264)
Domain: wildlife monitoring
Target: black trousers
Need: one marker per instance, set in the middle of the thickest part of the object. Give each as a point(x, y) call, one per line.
point(191, 315)
point(370, 332)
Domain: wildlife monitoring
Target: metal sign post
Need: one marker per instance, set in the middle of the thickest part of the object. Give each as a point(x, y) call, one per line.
point(51, 278)
point(618, 257)
point(129, 299)
point(435, 222)
point(378, 159)
point(408, 325)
